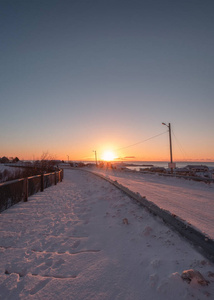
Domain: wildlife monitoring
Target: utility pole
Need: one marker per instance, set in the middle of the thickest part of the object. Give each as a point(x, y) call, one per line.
point(170, 146)
point(68, 158)
point(170, 142)
point(95, 152)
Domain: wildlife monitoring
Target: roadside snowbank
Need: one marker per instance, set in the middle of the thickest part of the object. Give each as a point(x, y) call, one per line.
point(190, 200)
point(71, 242)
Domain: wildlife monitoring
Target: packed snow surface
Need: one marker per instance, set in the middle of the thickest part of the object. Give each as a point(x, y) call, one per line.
point(84, 239)
point(192, 201)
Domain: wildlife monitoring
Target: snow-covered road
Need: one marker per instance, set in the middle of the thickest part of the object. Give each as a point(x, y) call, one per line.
point(71, 242)
point(192, 201)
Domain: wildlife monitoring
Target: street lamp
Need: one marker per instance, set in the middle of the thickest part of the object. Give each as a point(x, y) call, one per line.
point(95, 152)
point(171, 165)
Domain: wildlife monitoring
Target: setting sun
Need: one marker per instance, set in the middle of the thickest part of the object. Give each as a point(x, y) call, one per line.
point(108, 156)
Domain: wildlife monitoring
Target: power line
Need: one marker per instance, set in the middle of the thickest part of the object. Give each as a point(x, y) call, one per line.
point(180, 147)
point(142, 141)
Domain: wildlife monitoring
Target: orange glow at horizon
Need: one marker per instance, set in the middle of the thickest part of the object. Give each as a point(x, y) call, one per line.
point(153, 150)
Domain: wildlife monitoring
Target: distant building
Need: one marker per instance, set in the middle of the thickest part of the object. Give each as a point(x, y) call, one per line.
point(197, 168)
point(182, 171)
point(157, 169)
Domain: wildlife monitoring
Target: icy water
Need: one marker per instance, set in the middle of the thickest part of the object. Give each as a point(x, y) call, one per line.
point(143, 164)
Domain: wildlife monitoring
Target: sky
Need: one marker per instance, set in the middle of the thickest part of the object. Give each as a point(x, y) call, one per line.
point(93, 75)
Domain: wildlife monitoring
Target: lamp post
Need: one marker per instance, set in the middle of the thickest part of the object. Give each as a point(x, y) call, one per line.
point(68, 158)
point(95, 152)
point(170, 145)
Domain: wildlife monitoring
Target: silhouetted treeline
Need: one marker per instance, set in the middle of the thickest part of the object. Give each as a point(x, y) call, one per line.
point(5, 160)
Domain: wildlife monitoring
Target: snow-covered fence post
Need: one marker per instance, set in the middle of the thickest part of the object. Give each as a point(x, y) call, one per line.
point(60, 175)
point(26, 189)
point(55, 181)
point(42, 182)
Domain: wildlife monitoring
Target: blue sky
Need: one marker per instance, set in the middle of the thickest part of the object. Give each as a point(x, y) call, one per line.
point(83, 75)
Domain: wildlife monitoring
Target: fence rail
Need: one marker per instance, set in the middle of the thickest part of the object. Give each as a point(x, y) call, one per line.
point(14, 191)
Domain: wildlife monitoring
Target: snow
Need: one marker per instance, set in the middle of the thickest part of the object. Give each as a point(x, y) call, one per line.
point(3, 167)
point(6, 167)
point(191, 200)
point(70, 242)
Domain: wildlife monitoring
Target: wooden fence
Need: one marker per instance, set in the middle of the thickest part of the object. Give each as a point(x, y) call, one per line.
point(14, 191)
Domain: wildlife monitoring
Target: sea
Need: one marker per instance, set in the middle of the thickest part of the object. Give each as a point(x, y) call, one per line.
point(136, 165)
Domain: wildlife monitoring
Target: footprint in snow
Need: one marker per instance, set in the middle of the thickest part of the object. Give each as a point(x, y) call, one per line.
point(39, 286)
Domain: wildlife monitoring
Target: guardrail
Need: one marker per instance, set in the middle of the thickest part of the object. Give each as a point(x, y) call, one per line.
point(14, 191)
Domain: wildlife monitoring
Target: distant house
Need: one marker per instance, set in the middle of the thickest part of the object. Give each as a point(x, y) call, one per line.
point(77, 164)
point(182, 171)
point(197, 168)
point(157, 169)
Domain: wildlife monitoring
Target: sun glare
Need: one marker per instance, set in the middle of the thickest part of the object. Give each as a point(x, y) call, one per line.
point(108, 156)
